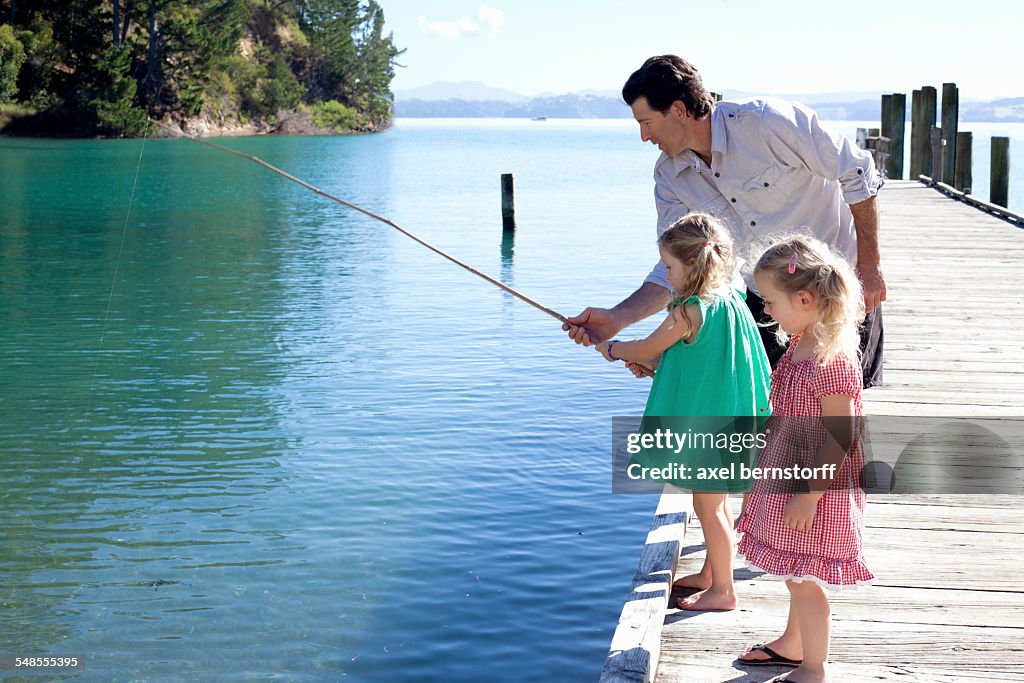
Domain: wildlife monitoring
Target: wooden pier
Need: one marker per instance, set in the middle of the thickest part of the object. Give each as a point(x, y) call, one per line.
point(948, 602)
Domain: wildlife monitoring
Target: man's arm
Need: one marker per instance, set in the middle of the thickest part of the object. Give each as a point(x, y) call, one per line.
point(869, 265)
point(595, 325)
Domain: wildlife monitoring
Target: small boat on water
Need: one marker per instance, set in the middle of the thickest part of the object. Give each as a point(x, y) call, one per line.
point(539, 118)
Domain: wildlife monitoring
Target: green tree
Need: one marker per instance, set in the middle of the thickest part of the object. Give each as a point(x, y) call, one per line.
point(104, 65)
point(12, 56)
point(114, 94)
point(374, 68)
point(42, 56)
point(331, 27)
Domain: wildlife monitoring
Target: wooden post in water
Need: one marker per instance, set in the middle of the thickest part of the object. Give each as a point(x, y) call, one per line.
point(950, 116)
point(922, 120)
point(886, 117)
point(897, 130)
point(963, 177)
point(508, 203)
point(999, 177)
point(938, 161)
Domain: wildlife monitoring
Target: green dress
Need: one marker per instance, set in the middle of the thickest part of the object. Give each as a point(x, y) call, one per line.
point(712, 393)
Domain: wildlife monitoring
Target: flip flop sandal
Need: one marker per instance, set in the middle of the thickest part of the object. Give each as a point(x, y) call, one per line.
point(774, 658)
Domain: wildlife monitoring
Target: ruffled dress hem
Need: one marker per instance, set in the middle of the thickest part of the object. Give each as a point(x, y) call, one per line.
point(835, 575)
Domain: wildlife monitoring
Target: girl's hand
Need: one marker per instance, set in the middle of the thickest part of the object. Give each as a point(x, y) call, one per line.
point(639, 371)
point(799, 512)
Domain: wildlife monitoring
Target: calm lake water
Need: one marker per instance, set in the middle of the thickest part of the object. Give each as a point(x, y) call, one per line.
point(250, 434)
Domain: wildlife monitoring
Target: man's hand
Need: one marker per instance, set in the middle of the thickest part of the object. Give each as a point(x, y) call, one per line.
point(872, 280)
point(591, 326)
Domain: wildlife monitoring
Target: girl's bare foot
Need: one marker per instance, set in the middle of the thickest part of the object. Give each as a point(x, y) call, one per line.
point(699, 581)
point(707, 600)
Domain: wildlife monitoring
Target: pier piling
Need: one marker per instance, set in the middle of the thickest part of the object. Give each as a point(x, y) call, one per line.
point(963, 177)
point(922, 120)
point(508, 203)
point(999, 178)
point(950, 118)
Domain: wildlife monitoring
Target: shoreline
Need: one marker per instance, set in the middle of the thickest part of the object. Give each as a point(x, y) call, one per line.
point(297, 123)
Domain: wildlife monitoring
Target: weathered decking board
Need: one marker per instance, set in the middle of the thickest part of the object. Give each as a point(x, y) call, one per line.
point(948, 603)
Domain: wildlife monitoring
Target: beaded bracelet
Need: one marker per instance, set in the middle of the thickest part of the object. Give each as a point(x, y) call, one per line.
point(611, 355)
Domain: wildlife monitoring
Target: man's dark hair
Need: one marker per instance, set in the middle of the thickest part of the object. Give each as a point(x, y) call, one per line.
point(664, 79)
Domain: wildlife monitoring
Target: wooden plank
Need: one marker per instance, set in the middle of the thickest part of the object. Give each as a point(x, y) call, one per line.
point(878, 631)
point(636, 643)
point(897, 605)
point(948, 603)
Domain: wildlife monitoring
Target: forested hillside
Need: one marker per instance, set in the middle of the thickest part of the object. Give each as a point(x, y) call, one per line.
point(109, 67)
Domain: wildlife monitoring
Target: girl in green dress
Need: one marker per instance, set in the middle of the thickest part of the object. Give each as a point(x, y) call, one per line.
point(711, 370)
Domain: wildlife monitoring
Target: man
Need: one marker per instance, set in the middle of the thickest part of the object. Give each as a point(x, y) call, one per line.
point(764, 167)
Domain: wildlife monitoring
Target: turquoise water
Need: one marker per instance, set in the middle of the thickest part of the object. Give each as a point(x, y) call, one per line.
point(353, 459)
point(251, 434)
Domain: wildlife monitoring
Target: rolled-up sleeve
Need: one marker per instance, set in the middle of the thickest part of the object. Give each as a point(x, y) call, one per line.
point(795, 135)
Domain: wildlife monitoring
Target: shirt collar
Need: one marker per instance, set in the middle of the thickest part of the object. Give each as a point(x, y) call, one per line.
point(719, 139)
point(688, 158)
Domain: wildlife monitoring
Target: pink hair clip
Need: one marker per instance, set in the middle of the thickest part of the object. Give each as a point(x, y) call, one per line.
point(792, 263)
point(708, 244)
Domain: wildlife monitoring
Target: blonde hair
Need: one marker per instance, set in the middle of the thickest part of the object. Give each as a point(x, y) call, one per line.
point(703, 239)
point(801, 263)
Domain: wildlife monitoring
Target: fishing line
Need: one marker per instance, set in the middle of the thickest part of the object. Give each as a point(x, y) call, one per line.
point(371, 214)
point(117, 261)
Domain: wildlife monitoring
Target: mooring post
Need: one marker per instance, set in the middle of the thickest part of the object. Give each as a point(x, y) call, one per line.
point(897, 132)
point(923, 118)
point(508, 203)
point(950, 117)
point(886, 116)
point(937, 144)
point(999, 176)
point(963, 178)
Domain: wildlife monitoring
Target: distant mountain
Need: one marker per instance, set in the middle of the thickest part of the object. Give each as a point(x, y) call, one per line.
point(469, 91)
point(562, 107)
point(1009, 110)
point(811, 99)
point(472, 99)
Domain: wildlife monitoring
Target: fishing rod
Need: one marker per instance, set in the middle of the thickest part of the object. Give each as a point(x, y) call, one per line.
point(386, 221)
point(645, 371)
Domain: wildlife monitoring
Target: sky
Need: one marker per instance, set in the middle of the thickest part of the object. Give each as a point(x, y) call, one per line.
point(757, 46)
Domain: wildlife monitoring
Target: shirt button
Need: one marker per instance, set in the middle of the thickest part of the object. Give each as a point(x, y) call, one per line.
point(860, 171)
point(733, 200)
point(753, 223)
point(717, 174)
point(766, 184)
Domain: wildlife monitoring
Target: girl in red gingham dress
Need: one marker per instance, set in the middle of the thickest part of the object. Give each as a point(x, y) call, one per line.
point(812, 539)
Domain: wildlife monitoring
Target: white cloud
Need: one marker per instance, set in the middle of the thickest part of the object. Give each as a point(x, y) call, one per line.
point(487, 21)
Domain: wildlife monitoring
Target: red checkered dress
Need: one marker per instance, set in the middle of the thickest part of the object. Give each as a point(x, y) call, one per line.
point(831, 553)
